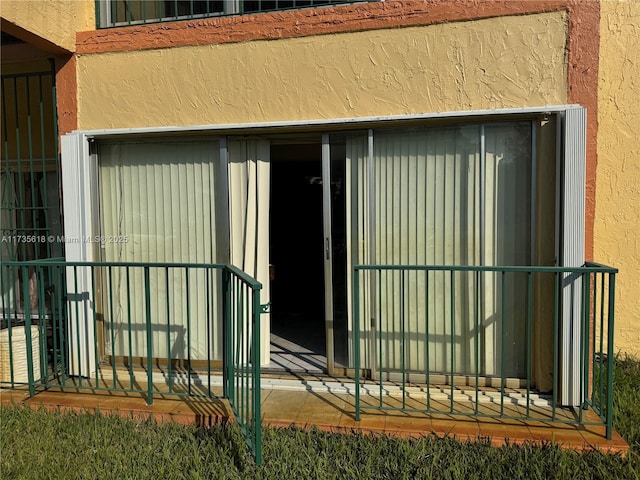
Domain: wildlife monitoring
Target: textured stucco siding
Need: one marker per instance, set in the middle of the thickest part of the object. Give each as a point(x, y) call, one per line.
point(513, 61)
point(617, 224)
point(55, 21)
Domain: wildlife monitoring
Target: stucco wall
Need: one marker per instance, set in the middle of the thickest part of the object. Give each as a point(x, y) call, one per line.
point(56, 21)
point(514, 61)
point(617, 225)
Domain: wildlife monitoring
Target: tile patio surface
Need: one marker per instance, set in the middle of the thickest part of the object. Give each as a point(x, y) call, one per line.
point(287, 402)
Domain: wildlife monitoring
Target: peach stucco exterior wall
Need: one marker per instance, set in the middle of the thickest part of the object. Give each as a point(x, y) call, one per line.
point(55, 21)
point(617, 219)
point(513, 61)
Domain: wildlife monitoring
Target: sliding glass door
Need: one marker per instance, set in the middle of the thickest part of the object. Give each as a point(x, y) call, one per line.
point(445, 195)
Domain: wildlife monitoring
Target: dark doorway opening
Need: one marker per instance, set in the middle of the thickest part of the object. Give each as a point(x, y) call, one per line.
point(296, 255)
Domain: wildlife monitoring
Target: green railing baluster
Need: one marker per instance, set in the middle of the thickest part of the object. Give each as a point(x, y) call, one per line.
point(76, 302)
point(207, 274)
point(188, 300)
point(27, 330)
point(502, 348)
point(112, 328)
point(403, 347)
point(452, 306)
point(147, 296)
point(95, 324)
point(584, 357)
point(601, 352)
point(477, 336)
point(528, 353)
point(132, 379)
point(610, 354)
point(168, 313)
point(255, 382)
point(356, 337)
point(556, 324)
point(378, 332)
point(426, 296)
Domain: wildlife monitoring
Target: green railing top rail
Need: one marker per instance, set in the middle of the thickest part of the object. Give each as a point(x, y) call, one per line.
point(586, 268)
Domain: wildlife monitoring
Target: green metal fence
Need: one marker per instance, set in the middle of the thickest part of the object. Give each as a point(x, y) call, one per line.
point(155, 329)
point(242, 354)
point(466, 302)
point(29, 167)
point(115, 13)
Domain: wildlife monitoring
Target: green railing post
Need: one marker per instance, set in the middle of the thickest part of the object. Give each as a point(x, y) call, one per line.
point(226, 334)
point(147, 296)
point(356, 337)
point(610, 327)
point(255, 381)
point(27, 330)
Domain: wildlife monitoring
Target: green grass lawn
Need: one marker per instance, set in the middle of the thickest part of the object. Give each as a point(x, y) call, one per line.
point(41, 445)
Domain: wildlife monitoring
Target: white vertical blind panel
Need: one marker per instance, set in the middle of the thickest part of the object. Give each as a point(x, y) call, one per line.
point(427, 212)
point(572, 208)
point(161, 197)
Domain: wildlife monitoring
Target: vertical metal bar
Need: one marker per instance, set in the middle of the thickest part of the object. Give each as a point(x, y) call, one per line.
point(593, 338)
point(188, 295)
point(356, 336)
point(482, 207)
point(227, 367)
point(42, 323)
point(502, 335)
point(27, 330)
point(112, 327)
point(34, 230)
point(78, 339)
point(403, 344)
point(426, 296)
point(255, 381)
point(556, 323)
point(147, 295)
point(601, 352)
point(528, 354)
point(477, 335)
point(378, 331)
point(584, 343)
point(328, 260)
point(534, 192)
point(95, 326)
point(129, 329)
point(168, 310)
point(54, 320)
point(21, 199)
point(453, 327)
point(55, 128)
point(63, 322)
point(372, 236)
point(97, 10)
point(44, 170)
point(610, 331)
point(207, 273)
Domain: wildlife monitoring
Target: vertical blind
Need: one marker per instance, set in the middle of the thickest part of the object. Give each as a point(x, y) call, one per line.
point(442, 196)
point(159, 205)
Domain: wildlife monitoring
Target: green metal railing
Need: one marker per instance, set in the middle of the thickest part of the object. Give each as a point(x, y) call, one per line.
point(116, 13)
point(155, 329)
point(242, 354)
point(400, 309)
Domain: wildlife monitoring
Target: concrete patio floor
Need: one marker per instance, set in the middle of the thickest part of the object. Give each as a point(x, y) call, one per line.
point(287, 402)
